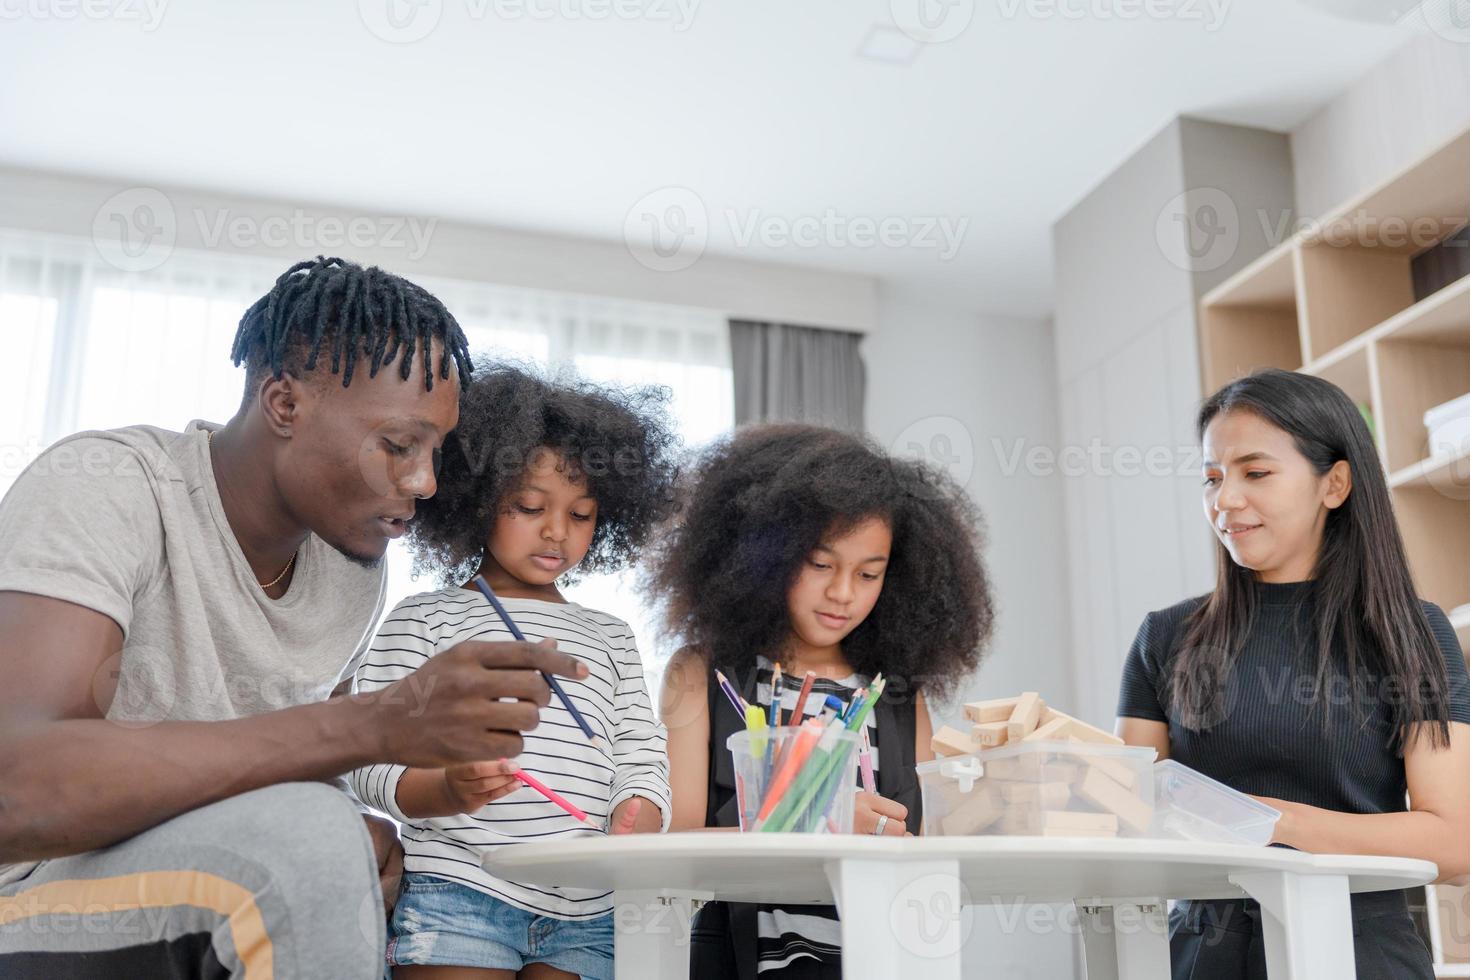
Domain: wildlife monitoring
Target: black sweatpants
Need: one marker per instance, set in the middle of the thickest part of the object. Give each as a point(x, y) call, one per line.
point(1223, 940)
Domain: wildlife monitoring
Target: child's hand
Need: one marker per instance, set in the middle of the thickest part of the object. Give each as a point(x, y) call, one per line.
point(635, 815)
point(471, 785)
point(870, 808)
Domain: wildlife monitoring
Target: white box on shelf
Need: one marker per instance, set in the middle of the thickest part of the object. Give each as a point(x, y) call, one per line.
point(1449, 427)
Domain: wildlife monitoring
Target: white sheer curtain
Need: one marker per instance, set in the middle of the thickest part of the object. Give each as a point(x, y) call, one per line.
point(92, 347)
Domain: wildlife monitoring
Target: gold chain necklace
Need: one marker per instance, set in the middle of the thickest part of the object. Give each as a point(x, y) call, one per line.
point(291, 561)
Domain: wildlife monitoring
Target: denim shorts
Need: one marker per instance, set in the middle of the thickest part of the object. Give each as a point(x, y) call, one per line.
point(443, 923)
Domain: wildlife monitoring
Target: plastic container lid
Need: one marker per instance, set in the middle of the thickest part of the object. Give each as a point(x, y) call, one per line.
point(1191, 806)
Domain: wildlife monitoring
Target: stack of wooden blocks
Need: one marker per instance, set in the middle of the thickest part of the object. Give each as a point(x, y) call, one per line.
point(1077, 793)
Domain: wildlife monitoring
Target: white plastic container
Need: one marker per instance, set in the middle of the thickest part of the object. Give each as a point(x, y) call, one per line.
point(1449, 427)
point(1189, 805)
point(1044, 789)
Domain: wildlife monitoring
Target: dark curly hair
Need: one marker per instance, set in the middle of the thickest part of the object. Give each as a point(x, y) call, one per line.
point(621, 441)
point(764, 498)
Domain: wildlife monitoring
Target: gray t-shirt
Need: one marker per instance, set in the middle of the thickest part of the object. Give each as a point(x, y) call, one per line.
point(129, 522)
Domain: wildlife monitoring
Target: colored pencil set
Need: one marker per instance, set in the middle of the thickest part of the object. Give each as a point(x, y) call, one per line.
point(799, 777)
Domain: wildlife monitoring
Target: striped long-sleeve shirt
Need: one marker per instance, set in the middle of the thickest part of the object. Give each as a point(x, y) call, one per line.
point(628, 758)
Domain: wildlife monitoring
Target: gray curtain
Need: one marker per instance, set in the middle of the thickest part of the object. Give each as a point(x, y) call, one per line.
point(797, 374)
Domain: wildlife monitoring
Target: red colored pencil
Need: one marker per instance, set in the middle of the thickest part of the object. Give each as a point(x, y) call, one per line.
point(806, 688)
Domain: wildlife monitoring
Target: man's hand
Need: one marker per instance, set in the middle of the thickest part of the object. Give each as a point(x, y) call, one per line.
point(466, 704)
point(635, 815)
point(390, 857)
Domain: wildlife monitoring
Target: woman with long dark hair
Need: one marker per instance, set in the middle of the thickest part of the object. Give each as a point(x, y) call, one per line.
point(1312, 677)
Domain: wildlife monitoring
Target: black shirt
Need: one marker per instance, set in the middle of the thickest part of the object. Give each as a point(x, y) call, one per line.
point(1268, 736)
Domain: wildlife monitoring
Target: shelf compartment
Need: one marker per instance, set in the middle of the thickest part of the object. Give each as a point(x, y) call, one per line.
point(1236, 340)
point(1436, 533)
point(1347, 291)
point(1415, 377)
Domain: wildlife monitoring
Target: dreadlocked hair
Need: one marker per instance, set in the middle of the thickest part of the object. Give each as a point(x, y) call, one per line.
point(358, 311)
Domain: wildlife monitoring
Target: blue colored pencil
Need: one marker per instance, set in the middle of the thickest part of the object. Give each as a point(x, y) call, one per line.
point(515, 631)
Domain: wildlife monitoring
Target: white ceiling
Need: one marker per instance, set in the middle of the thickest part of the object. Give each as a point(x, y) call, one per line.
point(761, 108)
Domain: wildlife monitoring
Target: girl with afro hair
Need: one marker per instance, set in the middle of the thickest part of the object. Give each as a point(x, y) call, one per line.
point(540, 482)
point(812, 549)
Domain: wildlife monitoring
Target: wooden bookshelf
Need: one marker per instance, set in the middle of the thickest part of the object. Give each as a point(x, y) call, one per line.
point(1337, 301)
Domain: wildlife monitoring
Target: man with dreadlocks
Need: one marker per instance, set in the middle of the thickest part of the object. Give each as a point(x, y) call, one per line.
point(176, 608)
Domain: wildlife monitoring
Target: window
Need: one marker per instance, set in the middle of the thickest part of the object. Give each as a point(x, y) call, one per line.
point(92, 347)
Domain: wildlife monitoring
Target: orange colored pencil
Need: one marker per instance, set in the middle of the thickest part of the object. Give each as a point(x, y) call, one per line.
point(811, 732)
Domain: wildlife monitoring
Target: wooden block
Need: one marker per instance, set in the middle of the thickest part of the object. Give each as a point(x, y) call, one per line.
point(1020, 820)
point(1076, 820)
point(997, 709)
point(952, 741)
point(991, 734)
point(1048, 796)
point(1081, 730)
point(1119, 772)
point(972, 813)
point(1025, 716)
point(1055, 730)
point(1101, 790)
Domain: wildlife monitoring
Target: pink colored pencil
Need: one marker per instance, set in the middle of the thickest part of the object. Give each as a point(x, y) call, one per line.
point(865, 761)
point(550, 794)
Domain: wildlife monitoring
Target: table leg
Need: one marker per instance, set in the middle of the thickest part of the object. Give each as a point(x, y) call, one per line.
point(900, 919)
point(1125, 940)
point(1307, 922)
point(651, 933)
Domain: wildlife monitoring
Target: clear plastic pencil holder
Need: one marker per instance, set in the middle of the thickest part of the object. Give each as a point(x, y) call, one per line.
point(795, 780)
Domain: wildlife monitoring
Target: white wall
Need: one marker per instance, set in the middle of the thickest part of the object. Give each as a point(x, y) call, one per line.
point(1129, 378)
point(225, 224)
point(938, 370)
point(1393, 114)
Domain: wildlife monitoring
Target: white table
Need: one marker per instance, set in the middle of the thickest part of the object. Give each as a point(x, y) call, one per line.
point(903, 901)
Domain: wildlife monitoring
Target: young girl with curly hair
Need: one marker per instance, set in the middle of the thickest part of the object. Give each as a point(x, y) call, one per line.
point(809, 548)
point(540, 482)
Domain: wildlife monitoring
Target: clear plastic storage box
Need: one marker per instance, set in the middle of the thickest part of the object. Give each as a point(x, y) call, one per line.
point(1045, 789)
point(1191, 806)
